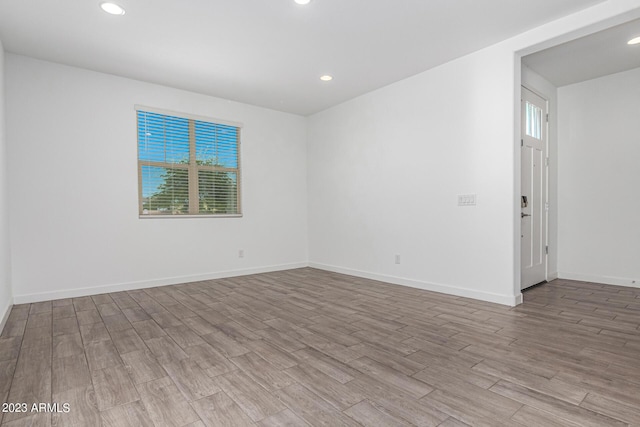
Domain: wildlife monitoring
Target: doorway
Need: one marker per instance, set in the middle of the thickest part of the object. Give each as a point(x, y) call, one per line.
point(533, 198)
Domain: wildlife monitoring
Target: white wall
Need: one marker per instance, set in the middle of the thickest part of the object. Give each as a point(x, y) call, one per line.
point(599, 175)
point(383, 173)
point(6, 296)
point(548, 91)
point(74, 195)
point(385, 170)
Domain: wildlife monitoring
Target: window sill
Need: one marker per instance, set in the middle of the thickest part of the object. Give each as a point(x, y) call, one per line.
point(188, 216)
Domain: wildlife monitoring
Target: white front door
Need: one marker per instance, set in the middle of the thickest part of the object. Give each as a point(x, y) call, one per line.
point(533, 200)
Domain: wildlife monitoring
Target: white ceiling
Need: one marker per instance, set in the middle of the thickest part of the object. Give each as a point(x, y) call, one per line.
point(596, 55)
point(269, 52)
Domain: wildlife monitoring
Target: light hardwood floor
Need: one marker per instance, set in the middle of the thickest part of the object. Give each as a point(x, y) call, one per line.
point(308, 347)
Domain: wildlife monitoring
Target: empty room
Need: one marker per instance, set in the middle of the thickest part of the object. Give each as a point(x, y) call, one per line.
point(319, 213)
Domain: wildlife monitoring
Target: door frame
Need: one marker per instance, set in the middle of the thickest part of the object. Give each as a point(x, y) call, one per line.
point(583, 23)
point(546, 201)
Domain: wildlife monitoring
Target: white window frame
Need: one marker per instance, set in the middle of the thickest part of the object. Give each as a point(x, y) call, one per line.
point(192, 167)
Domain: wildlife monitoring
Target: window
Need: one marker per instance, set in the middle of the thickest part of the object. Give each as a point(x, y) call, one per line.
point(533, 121)
point(187, 165)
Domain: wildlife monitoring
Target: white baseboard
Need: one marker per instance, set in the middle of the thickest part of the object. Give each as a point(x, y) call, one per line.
point(81, 292)
point(518, 300)
point(605, 280)
point(552, 276)
point(510, 300)
point(5, 314)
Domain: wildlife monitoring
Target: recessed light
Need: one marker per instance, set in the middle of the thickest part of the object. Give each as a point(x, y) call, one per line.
point(112, 8)
point(326, 78)
point(635, 40)
point(302, 1)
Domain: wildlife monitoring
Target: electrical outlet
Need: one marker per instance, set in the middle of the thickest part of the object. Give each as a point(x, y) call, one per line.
point(397, 259)
point(466, 199)
point(241, 253)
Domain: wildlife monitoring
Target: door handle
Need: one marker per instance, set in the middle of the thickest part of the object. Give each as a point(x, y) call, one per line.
point(522, 215)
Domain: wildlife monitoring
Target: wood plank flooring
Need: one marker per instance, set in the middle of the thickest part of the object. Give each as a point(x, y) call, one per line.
point(309, 347)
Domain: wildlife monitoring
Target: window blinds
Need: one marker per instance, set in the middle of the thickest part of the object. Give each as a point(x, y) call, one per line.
point(187, 166)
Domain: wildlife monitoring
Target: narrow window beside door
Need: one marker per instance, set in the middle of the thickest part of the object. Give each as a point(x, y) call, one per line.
point(187, 166)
